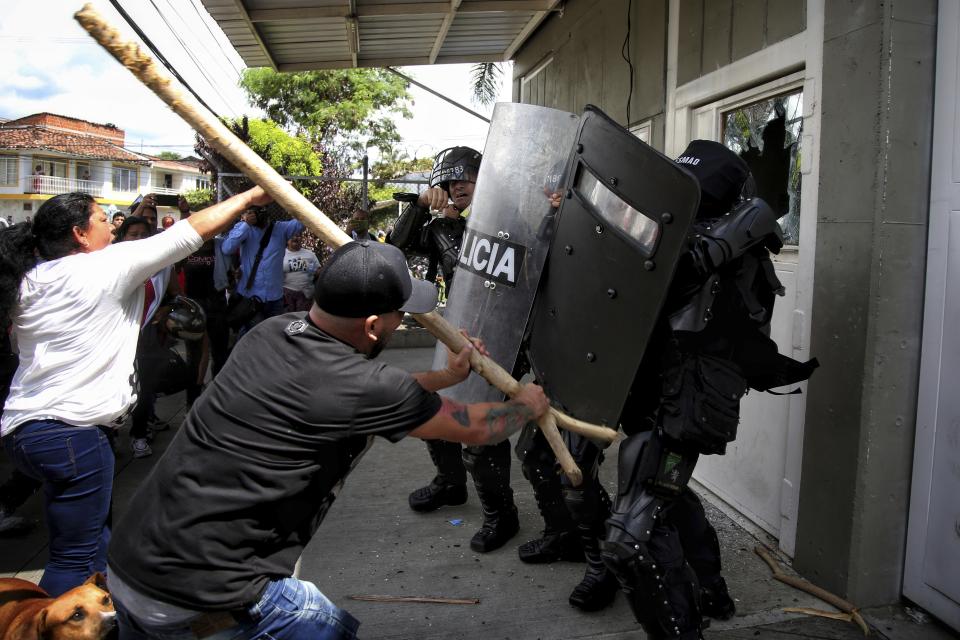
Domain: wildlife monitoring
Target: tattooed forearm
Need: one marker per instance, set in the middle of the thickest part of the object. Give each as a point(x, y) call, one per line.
point(504, 420)
point(461, 415)
point(457, 411)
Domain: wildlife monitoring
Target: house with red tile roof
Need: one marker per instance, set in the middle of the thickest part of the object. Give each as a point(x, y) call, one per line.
point(45, 154)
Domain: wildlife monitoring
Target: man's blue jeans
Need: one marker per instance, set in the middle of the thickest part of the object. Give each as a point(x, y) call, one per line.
point(289, 609)
point(75, 465)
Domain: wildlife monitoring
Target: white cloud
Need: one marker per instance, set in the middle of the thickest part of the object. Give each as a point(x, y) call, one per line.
point(53, 65)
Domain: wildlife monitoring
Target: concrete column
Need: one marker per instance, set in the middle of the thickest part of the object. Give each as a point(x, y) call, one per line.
point(877, 113)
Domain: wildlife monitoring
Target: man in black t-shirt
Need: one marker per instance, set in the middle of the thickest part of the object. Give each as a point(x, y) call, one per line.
point(213, 535)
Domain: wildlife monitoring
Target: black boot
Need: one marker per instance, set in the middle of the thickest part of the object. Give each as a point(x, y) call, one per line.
point(499, 525)
point(449, 487)
point(490, 468)
point(715, 601)
point(599, 586)
point(437, 494)
point(560, 540)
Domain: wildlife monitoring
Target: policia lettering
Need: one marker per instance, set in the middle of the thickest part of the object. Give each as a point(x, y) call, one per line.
point(492, 257)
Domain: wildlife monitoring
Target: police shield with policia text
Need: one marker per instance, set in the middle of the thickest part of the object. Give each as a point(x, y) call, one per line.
point(502, 253)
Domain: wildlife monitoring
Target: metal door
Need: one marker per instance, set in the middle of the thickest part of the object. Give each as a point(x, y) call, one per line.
point(932, 568)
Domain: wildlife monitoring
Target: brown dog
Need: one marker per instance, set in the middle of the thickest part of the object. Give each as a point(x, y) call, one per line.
point(28, 613)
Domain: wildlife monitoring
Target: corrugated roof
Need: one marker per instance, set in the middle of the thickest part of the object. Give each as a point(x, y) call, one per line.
point(300, 35)
point(43, 139)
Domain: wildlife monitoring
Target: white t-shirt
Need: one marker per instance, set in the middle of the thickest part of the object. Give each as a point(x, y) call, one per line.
point(77, 325)
point(298, 269)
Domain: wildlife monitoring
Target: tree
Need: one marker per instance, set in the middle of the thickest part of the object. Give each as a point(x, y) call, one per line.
point(487, 78)
point(391, 166)
point(168, 155)
point(350, 108)
point(288, 154)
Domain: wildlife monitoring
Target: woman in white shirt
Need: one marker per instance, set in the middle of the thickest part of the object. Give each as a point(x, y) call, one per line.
point(75, 303)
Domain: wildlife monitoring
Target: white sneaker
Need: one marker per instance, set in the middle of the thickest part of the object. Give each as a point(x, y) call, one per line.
point(140, 448)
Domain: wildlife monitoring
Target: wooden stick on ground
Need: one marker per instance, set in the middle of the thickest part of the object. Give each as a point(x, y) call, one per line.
point(850, 611)
point(426, 599)
point(254, 167)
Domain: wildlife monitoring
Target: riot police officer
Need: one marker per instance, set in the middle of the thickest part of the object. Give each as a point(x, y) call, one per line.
point(451, 189)
point(712, 345)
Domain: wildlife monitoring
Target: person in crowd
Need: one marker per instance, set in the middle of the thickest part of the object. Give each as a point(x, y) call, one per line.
point(215, 531)
point(38, 179)
point(118, 219)
point(167, 222)
point(359, 226)
point(151, 338)
point(75, 302)
point(200, 284)
point(261, 243)
point(299, 267)
point(146, 208)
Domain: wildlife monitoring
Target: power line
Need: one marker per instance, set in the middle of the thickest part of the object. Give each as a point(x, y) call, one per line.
point(190, 55)
point(133, 25)
point(223, 72)
point(193, 3)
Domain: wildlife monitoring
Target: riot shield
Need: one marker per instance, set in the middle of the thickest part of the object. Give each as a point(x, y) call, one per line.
point(620, 231)
point(507, 236)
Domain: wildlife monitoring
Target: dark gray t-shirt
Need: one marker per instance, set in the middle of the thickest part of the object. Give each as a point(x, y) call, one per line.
point(257, 463)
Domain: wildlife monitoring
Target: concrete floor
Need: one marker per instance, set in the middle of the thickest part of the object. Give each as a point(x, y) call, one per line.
point(371, 543)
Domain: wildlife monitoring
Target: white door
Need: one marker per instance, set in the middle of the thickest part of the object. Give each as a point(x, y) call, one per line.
point(932, 567)
point(759, 475)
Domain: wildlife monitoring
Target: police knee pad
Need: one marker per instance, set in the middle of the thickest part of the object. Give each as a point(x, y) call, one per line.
point(664, 599)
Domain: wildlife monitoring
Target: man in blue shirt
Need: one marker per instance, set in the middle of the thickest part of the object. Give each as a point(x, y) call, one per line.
point(245, 238)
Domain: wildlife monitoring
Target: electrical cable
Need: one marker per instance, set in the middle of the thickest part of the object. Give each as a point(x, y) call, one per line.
point(193, 58)
point(626, 55)
point(193, 3)
point(133, 25)
point(223, 72)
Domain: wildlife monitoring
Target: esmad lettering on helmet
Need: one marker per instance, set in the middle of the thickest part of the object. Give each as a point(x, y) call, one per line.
point(491, 257)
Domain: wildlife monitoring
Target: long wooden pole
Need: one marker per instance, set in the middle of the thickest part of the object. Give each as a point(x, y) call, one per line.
point(253, 166)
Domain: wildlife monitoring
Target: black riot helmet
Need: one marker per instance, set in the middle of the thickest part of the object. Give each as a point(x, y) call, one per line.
point(187, 319)
point(724, 176)
point(455, 163)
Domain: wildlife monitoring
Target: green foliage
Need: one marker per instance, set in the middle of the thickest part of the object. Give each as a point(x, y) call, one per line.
point(199, 198)
point(168, 155)
point(343, 107)
point(289, 155)
point(394, 165)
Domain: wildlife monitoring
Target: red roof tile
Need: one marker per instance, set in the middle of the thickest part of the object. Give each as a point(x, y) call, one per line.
point(40, 138)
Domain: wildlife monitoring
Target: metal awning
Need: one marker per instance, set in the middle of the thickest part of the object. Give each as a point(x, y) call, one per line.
point(300, 35)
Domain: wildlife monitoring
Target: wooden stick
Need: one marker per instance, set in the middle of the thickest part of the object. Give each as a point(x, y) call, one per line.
point(833, 615)
point(812, 589)
point(426, 599)
point(252, 165)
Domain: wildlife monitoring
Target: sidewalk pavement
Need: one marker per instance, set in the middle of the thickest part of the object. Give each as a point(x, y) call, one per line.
point(371, 543)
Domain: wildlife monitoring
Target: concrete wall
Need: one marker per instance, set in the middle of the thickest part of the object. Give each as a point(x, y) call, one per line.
point(585, 43)
point(877, 102)
point(714, 33)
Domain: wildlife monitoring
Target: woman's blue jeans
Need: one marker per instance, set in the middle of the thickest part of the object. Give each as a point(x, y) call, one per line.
point(75, 465)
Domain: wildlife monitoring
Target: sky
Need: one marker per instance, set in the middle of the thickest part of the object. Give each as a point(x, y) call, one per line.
point(52, 65)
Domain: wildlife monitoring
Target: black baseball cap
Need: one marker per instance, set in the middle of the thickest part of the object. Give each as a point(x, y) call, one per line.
point(365, 278)
point(720, 172)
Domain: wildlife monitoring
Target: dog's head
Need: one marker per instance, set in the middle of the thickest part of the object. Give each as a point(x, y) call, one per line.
point(83, 613)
